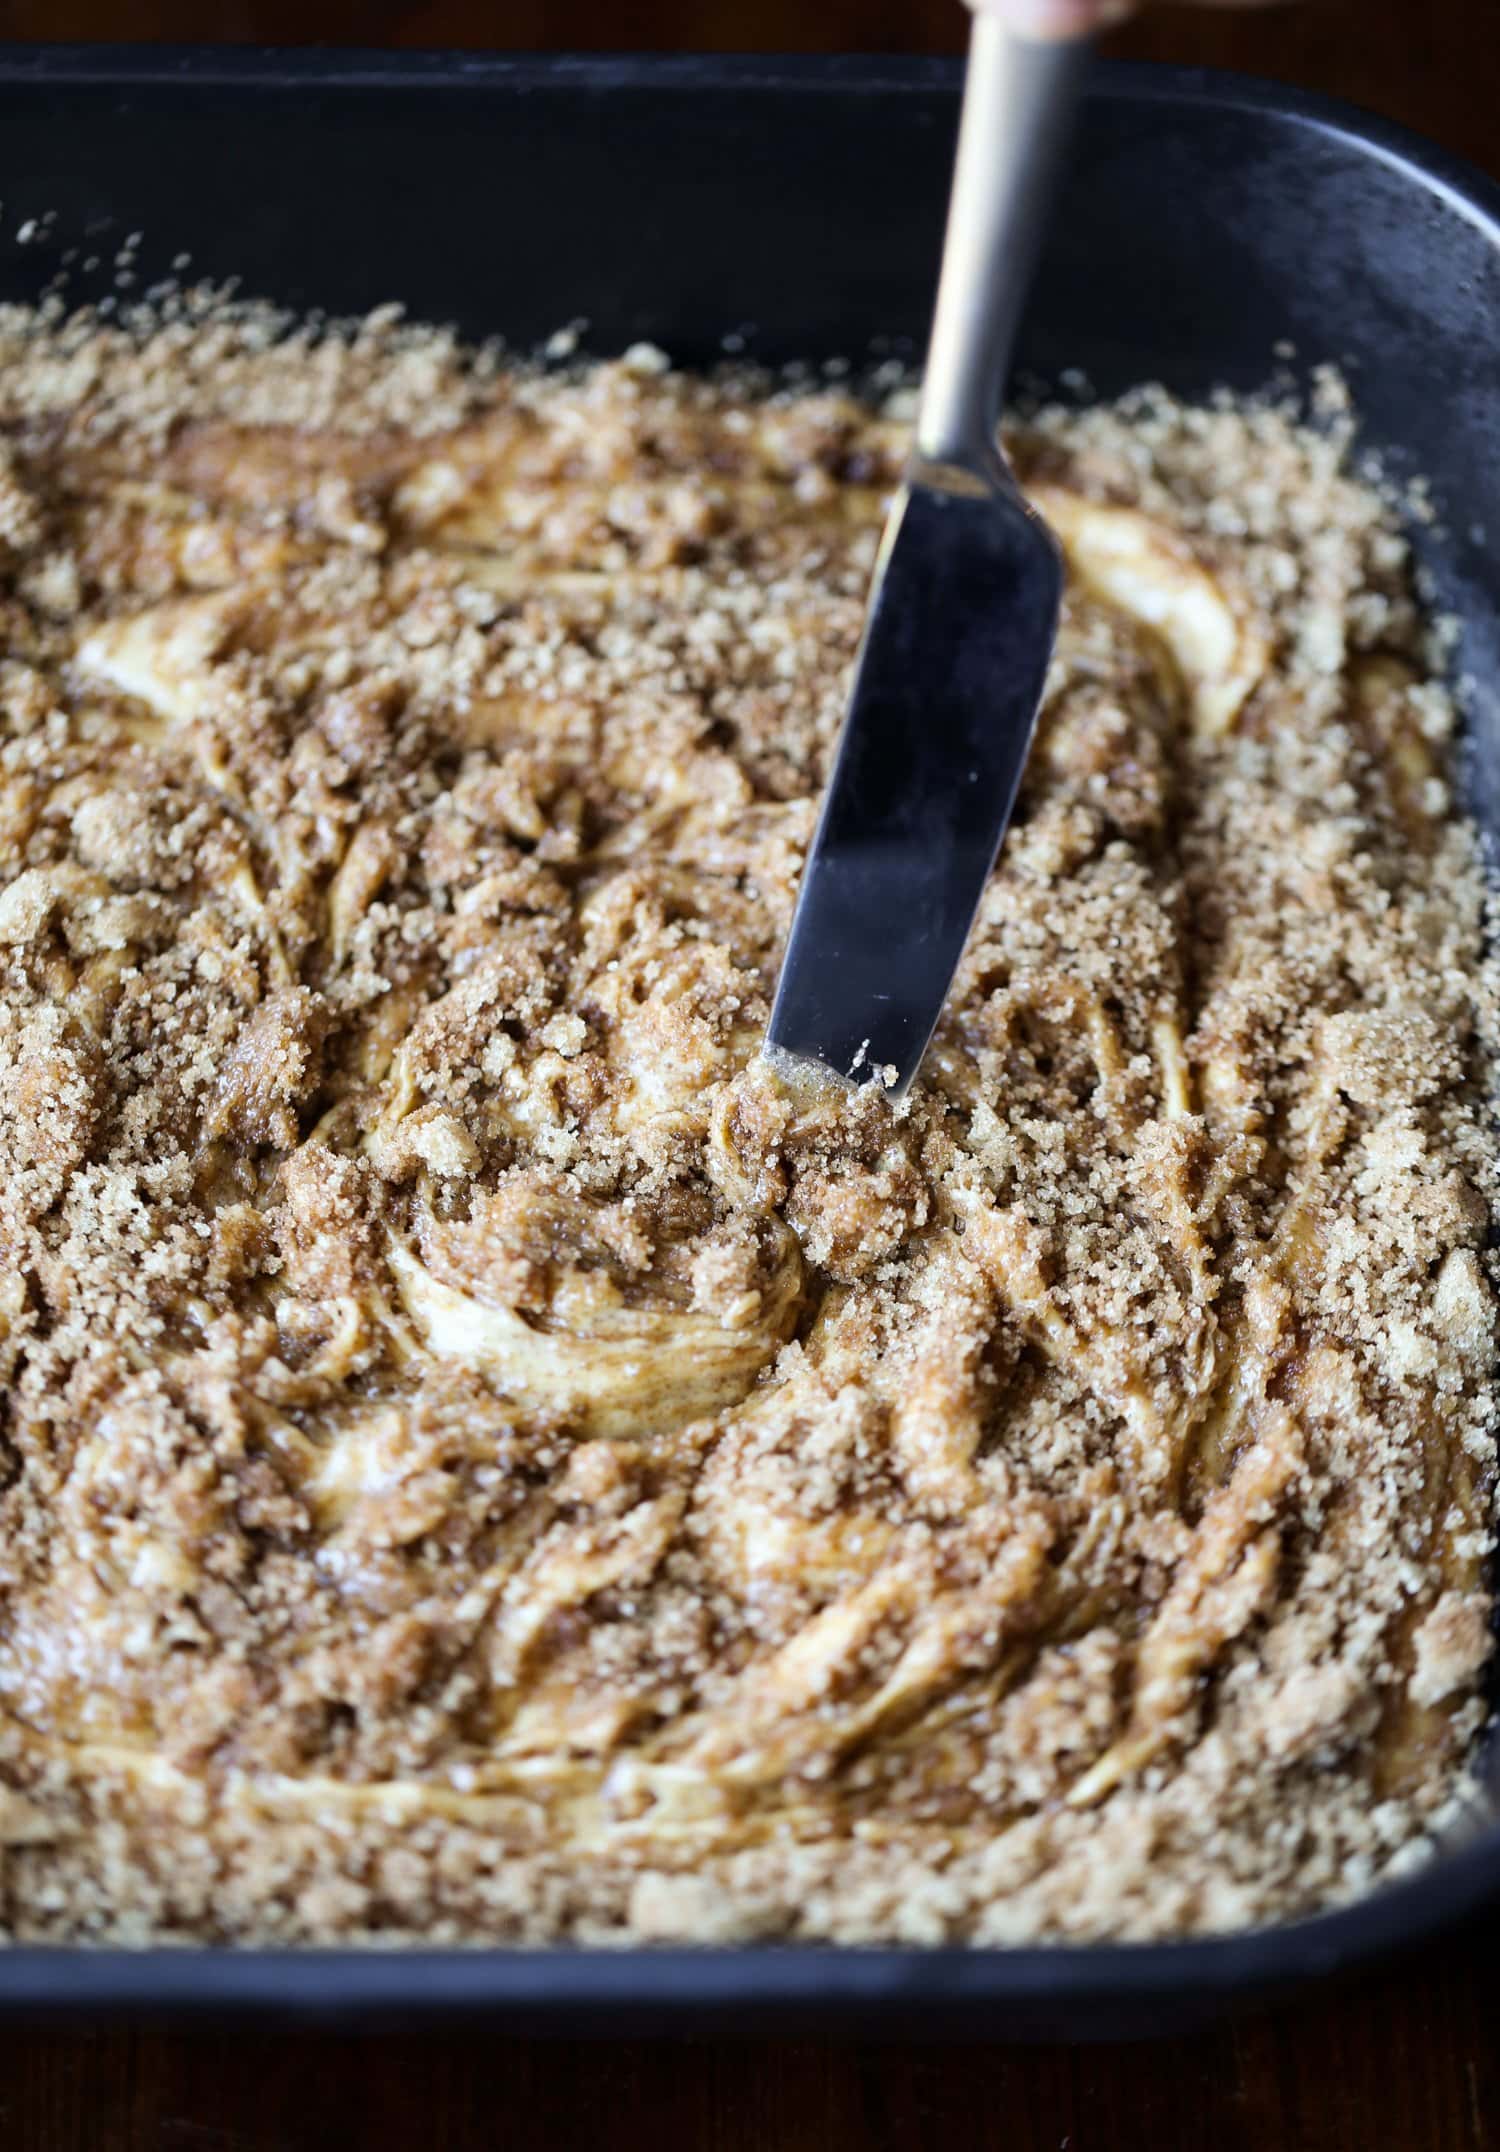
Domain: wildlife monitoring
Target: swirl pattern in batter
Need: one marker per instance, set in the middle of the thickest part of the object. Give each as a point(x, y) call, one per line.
point(482, 1457)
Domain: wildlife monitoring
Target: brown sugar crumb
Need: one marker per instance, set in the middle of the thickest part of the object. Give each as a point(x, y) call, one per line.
point(270, 1070)
point(487, 1458)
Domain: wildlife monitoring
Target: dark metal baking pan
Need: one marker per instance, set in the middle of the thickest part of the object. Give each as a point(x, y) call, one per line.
point(796, 206)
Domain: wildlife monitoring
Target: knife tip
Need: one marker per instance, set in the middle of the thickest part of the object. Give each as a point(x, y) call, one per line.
point(806, 1077)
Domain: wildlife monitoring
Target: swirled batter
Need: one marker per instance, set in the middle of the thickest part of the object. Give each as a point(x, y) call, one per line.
point(483, 1458)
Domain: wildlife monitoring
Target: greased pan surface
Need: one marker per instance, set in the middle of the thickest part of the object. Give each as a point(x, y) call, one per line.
point(796, 206)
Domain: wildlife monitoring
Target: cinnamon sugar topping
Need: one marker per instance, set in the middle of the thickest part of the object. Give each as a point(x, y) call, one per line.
point(483, 1457)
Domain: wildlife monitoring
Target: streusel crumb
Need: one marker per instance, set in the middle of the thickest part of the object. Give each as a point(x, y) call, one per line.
point(484, 1458)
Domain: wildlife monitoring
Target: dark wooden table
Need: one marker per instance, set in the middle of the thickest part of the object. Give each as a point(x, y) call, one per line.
point(1405, 2061)
point(1402, 2063)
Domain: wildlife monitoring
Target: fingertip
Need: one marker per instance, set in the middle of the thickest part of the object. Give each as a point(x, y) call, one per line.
point(1052, 19)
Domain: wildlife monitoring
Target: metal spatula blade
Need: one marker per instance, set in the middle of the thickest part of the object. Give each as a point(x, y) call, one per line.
point(957, 638)
point(959, 632)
